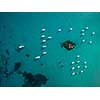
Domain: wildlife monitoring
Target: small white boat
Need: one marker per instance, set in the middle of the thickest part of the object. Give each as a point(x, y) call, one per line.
point(83, 41)
point(43, 29)
point(90, 42)
point(73, 73)
point(73, 68)
point(78, 67)
point(49, 37)
point(86, 28)
point(77, 56)
point(78, 61)
point(93, 33)
point(44, 53)
point(72, 62)
point(59, 30)
point(44, 41)
point(21, 46)
point(37, 57)
point(85, 66)
point(43, 36)
point(82, 71)
point(82, 31)
point(82, 34)
point(44, 46)
point(70, 29)
point(84, 62)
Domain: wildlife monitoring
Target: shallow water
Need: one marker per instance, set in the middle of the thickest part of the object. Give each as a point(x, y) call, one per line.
point(25, 29)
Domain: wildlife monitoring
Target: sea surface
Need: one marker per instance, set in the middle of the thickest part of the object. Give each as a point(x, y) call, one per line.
point(24, 28)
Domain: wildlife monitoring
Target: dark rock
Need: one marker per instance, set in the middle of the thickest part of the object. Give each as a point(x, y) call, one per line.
point(0, 42)
point(7, 74)
point(59, 62)
point(5, 71)
point(18, 50)
point(10, 36)
point(27, 55)
point(28, 76)
point(41, 78)
point(4, 27)
point(68, 45)
point(33, 80)
point(41, 64)
point(7, 52)
point(62, 65)
point(17, 65)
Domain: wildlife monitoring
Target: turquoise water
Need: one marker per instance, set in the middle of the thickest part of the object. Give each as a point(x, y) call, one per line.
point(25, 28)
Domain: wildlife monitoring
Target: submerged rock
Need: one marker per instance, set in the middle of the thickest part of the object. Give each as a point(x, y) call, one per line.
point(27, 55)
point(40, 79)
point(68, 45)
point(7, 52)
point(42, 64)
point(17, 65)
point(4, 66)
point(31, 80)
point(0, 42)
point(1, 66)
point(4, 26)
